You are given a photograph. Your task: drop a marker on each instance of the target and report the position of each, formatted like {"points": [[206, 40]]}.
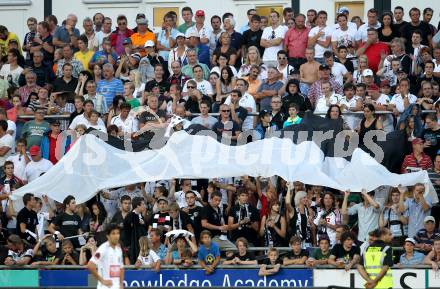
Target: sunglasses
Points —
{"points": [[225, 110], [191, 87]]}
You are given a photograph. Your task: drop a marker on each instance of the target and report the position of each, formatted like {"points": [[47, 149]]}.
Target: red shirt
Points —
{"points": [[373, 53], [296, 42], [52, 149], [411, 161]]}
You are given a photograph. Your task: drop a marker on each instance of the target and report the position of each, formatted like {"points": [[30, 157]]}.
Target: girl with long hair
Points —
{"points": [[225, 84], [147, 257], [273, 227]]}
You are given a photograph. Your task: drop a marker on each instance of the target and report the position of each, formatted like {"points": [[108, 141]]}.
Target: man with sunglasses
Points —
{"points": [[226, 129], [121, 33], [272, 39], [143, 34]]}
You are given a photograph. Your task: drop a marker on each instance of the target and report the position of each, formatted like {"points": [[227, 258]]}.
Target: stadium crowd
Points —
{"points": [[264, 76]]}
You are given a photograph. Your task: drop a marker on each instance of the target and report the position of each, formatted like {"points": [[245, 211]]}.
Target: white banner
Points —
{"points": [[402, 278]]}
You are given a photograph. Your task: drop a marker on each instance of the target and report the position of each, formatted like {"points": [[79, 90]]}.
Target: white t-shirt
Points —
{"points": [[12, 127], [270, 54], [181, 201], [204, 32], [246, 101], [129, 126], [350, 25], [345, 38], [35, 169], [217, 69], [397, 100], [6, 141], [338, 71], [150, 259], [42, 217], [330, 219], [352, 120], [99, 38], [19, 165], [204, 86], [362, 33], [321, 104], [319, 49], [6, 71], [81, 119], [109, 262]]}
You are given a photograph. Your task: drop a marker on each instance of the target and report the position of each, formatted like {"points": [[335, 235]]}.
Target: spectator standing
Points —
{"points": [[103, 33], [110, 86], [413, 25], [320, 37], [187, 15], [272, 39], [34, 130], [118, 36], [372, 23], [89, 34], [66, 34], [11, 71], [296, 40], [252, 36]]}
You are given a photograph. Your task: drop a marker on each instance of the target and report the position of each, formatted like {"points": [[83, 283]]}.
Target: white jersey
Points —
{"points": [[109, 262]]}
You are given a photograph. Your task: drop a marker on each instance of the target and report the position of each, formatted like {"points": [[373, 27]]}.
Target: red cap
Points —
{"points": [[417, 141], [200, 13], [34, 150]]}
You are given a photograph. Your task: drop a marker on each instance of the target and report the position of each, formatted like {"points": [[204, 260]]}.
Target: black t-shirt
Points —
{"points": [[28, 217], [301, 100], [163, 85], [213, 217], [249, 256], [434, 138], [60, 85], [230, 126], [348, 65], [394, 33], [194, 215], [192, 104], [241, 113], [267, 262], [278, 119], [292, 256], [408, 29], [229, 52], [340, 253], [253, 38], [48, 256], [400, 25], [146, 116], [68, 225], [75, 257], [181, 222], [239, 213]]}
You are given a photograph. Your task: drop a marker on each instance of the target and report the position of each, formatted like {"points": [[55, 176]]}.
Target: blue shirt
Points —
{"points": [[164, 41], [265, 103], [416, 259], [416, 215], [109, 89], [103, 55], [62, 34], [208, 255], [203, 54]]}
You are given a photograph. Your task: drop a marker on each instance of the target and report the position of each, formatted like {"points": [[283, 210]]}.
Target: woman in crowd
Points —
{"points": [[84, 214], [388, 31], [273, 227], [88, 250], [97, 73], [15, 111], [223, 62], [433, 257], [114, 109], [147, 257], [214, 78], [299, 217], [98, 218], [225, 84], [369, 122], [328, 218], [225, 47], [253, 57], [363, 64]]}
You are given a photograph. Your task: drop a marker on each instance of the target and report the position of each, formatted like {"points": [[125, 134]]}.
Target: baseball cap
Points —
{"points": [[136, 56], [367, 72], [126, 41], [140, 15], [149, 43], [343, 10], [263, 113], [411, 240], [428, 219], [180, 34], [417, 141], [193, 34], [34, 150], [142, 21], [324, 67], [200, 13]]}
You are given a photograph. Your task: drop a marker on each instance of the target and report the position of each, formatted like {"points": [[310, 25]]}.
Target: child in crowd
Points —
{"points": [[342, 58], [293, 116], [242, 257], [46, 252], [147, 257], [209, 253], [272, 260], [70, 256], [320, 255], [297, 256]]}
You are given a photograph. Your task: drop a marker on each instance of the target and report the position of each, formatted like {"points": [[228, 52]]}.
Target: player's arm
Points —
{"points": [[91, 266]]}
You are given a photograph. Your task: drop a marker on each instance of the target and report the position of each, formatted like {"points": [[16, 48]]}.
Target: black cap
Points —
{"points": [[324, 67], [264, 112], [140, 15]]}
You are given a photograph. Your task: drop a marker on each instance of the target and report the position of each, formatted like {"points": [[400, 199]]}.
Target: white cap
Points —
{"points": [[149, 43], [192, 34], [343, 10], [180, 34], [411, 240], [428, 219], [367, 72]]}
